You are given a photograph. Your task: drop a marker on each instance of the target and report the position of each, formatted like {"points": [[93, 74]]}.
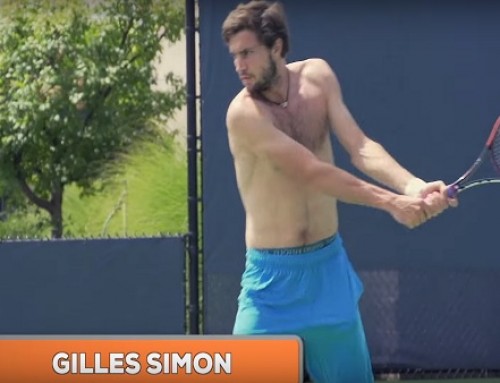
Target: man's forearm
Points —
{"points": [[374, 161], [347, 188]]}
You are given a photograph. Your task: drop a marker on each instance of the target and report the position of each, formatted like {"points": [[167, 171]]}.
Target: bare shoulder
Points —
{"points": [[242, 107], [316, 70], [245, 118], [240, 113], [245, 109]]}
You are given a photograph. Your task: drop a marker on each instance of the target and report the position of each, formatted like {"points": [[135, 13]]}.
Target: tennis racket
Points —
{"points": [[491, 150]]}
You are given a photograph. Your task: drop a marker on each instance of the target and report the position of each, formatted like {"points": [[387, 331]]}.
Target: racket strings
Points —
{"points": [[495, 152]]}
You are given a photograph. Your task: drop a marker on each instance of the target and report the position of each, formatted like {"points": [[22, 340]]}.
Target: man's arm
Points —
{"points": [[250, 130], [368, 155]]}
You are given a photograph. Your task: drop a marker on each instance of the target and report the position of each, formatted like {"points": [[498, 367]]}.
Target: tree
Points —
{"points": [[77, 90]]}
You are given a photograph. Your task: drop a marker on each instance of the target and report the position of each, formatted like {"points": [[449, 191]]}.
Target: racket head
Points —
{"points": [[493, 144], [492, 148]]}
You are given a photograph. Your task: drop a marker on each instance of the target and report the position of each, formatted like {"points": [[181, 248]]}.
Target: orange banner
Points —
{"points": [[139, 359]]}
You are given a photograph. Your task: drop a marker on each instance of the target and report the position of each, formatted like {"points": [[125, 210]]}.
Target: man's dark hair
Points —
{"points": [[266, 19]]}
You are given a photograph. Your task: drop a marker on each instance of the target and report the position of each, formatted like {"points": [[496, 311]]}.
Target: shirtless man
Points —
{"points": [[298, 278]]}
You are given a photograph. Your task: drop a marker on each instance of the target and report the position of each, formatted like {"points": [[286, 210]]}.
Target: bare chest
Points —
{"points": [[304, 120]]}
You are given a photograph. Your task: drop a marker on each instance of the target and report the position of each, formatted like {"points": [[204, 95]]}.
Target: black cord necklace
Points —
{"points": [[283, 104]]}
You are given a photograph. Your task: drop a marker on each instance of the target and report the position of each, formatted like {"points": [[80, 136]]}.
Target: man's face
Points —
{"points": [[253, 62]]}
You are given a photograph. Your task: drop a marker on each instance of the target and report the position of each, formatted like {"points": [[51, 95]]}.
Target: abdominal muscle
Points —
{"points": [[283, 213]]}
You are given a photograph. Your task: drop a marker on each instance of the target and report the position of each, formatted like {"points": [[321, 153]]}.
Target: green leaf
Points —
{"points": [[75, 89]]}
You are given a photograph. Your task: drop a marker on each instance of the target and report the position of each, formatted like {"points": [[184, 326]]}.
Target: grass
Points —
{"points": [[146, 197]]}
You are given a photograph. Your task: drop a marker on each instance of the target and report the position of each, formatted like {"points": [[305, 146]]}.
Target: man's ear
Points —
{"points": [[278, 46]]}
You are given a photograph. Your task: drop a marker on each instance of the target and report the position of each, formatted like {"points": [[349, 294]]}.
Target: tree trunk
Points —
{"points": [[53, 207], [56, 217]]}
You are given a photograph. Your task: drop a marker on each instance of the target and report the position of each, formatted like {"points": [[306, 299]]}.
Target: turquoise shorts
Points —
{"points": [[313, 292]]}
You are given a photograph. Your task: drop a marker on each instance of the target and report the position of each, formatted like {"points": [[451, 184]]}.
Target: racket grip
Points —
{"points": [[452, 191]]}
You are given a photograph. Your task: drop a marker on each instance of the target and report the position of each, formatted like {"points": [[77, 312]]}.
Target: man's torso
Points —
{"points": [[280, 211]]}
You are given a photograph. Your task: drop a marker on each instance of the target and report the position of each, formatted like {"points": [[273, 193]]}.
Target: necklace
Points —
{"points": [[283, 104]]}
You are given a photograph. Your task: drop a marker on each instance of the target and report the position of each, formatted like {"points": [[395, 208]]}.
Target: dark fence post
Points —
{"points": [[192, 151]]}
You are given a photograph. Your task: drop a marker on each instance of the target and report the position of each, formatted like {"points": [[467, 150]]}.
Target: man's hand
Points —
{"points": [[436, 199], [408, 211]]}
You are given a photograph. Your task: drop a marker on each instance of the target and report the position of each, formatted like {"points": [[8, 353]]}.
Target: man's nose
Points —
{"points": [[239, 64]]}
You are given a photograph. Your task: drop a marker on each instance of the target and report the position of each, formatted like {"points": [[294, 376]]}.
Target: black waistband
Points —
{"points": [[299, 249]]}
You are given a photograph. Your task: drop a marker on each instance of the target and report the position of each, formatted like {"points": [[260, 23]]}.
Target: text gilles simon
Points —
{"points": [[131, 363]]}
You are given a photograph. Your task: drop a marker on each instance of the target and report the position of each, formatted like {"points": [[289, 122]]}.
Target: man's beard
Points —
{"points": [[268, 79]]}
